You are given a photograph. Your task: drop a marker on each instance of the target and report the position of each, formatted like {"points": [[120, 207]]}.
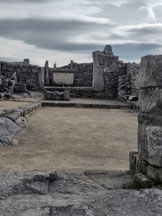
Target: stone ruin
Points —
{"points": [[19, 77], [7, 85], [109, 78], [113, 78]]}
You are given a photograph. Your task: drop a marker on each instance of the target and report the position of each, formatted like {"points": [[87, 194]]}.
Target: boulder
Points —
{"points": [[7, 129]]}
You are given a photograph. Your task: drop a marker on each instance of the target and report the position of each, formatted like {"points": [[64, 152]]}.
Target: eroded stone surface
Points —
{"points": [[150, 121], [7, 129], [151, 71], [71, 194]]}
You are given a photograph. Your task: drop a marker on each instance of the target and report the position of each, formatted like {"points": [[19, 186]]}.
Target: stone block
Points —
{"points": [[142, 141], [154, 145], [66, 95], [154, 173], [1, 95], [150, 101], [151, 71], [142, 181], [133, 161], [150, 143], [14, 116], [108, 50]]}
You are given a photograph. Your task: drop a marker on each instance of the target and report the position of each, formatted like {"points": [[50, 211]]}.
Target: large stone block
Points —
{"points": [[150, 143], [108, 50], [154, 145], [142, 141], [151, 71], [154, 173], [150, 101]]}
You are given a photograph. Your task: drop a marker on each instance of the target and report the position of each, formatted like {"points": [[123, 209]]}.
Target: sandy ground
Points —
{"points": [[73, 138], [11, 105]]}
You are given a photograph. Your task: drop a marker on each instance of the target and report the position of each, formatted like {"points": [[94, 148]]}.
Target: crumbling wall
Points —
{"points": [[133, 71], [128, 81], [150, 117], [26, 74], [114, 78], [105, 72]]}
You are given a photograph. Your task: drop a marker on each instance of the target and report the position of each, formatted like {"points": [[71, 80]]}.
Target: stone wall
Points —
{"points": [[26, 74], [107, 75], [150, 117], [113, 78], [128, 81], [83, 73]]}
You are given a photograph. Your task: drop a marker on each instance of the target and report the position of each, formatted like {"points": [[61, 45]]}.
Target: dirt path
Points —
{"points": [[73, 138]]}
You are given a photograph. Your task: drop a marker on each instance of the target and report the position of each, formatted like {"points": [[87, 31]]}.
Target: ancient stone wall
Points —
{"points": [[107, 76], [114, 78], [150, 117], [105, 72], [26, 74], [83, 73], [128, 80]]}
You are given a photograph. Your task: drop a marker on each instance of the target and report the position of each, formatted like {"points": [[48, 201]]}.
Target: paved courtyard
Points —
{"points": [[73, 138]]}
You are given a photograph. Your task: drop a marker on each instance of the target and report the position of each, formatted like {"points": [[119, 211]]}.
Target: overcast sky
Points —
{"points": [[61, 30]]}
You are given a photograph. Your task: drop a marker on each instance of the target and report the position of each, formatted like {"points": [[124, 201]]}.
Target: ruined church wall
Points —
{"points": [[26, 74]]}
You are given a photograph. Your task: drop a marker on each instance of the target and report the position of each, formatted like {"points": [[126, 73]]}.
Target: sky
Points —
{"points": [[64, 30]]}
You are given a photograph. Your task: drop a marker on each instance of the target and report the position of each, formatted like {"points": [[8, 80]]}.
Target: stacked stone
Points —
{"points": [[133, 72], [26, 74], [7, 85], [124, 87], [83, 73], [128, 81], [105, 72], [57, 95], [150, 117]]}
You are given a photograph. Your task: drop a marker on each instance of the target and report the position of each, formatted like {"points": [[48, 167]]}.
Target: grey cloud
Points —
{"points": [[52, 34], [146, 30], [22, 1], [145, 33], [133, 51]]}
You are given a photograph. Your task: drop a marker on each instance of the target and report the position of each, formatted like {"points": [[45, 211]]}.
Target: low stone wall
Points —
{"points": [[8, 122], [26, 74]]}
